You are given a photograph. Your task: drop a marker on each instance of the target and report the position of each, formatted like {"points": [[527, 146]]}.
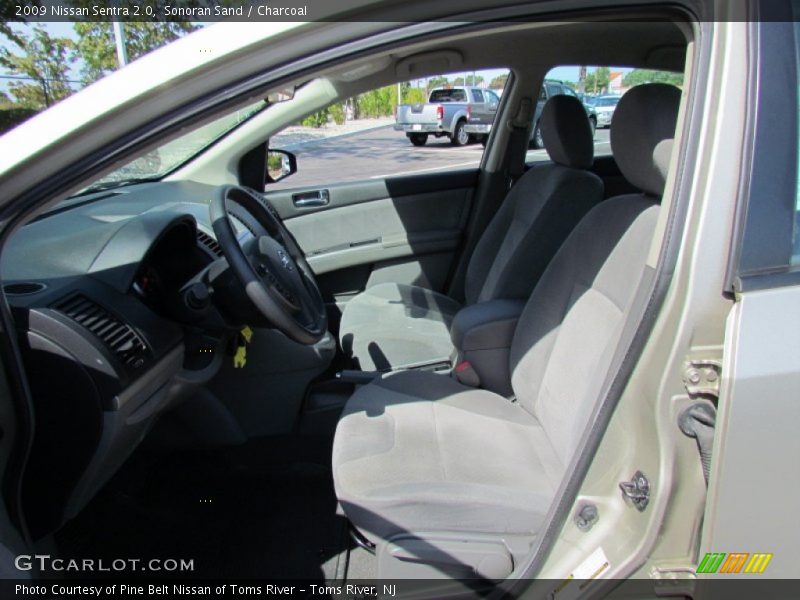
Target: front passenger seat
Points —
{"points": [[418, 454], [391, 326]]}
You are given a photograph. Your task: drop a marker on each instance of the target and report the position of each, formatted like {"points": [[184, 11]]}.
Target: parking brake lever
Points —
{"points": [[357, 377]]}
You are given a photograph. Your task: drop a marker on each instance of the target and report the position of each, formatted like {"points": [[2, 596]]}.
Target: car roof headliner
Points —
{"points": [[540, 46]]}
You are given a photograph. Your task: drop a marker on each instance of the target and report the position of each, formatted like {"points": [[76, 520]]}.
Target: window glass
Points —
{"points": [[769, 247], [491, 97], [796, 224], [606, 101], [454, 95], [372, 136], [599, 89]]}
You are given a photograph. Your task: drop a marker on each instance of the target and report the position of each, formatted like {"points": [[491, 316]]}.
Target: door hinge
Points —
{"points": [[637, 490], [701, 377]]}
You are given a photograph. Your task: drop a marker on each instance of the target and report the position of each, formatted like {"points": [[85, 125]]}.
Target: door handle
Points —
{"points": [[311, 199]]}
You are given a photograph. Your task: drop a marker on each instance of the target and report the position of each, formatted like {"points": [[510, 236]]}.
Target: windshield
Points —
{"points": [[448, 96], [157, 163], [606, 101]]}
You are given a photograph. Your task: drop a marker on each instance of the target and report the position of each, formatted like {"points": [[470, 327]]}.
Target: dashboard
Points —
{"points": [[95, 290]]}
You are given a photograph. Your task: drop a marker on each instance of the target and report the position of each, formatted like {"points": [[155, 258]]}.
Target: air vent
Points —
{"points": [[23, 288], [209, 243], [117, 335]]}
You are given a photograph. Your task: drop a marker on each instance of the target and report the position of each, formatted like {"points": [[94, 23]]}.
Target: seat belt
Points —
{"points": [[518, 142]]}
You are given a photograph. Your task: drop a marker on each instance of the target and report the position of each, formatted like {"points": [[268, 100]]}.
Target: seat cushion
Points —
{"points": [[393, 325], [417, 451]]}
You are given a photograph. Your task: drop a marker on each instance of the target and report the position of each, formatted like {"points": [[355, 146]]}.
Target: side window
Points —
{"points": [[769, 250], [796, 224], [599, 89], [542, 94], [410, 128], [491, 97]]}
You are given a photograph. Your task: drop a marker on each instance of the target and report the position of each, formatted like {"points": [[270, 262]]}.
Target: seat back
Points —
{"points": [[540, 210], [570, 327]]}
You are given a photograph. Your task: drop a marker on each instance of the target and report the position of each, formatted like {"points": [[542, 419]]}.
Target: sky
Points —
{"points": [[568, 73]]}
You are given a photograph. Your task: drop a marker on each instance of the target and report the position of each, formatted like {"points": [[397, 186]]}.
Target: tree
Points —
{"points": [[597, 80], [377, 103], [470, 80], [499, 82], [640, 76], [42, 60], [7, 14], [96, 44], [438, 81]]}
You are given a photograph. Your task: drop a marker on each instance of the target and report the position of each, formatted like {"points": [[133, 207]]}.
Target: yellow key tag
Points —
{"points": [[247, 334], [240, 358]]}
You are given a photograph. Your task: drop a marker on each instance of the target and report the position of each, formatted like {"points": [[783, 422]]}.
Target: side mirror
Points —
{"points": [[280, 164]]}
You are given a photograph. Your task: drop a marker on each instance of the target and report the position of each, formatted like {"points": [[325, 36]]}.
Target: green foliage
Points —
{"points": [[640, 76], [274, 162], [414, 96], [11, 116], [498, 82], [45, 61], [377, 103], [96, 45], [471, 80], [317, 120], [597, 80], [438, 81], [337, 113], [8, 15]]}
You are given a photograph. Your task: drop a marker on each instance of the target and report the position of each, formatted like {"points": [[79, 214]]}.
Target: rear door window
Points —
{"points": [[477, 96]]}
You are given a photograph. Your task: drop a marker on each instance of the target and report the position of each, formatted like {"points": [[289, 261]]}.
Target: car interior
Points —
{"points": [[391, 380]]}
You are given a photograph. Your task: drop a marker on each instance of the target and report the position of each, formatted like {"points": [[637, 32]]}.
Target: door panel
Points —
{"points": [[402, 229]]}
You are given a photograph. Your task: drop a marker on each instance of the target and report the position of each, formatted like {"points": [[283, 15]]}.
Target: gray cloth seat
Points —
{"points": [[393, 324], [389, 326], [416, 441], [419, 452]]}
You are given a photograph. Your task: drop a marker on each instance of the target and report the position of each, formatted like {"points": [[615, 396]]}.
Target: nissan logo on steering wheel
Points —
{"points": [[285, 261]]}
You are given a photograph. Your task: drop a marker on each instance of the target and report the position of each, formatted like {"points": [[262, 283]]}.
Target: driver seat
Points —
{"points": [[419, 453]]}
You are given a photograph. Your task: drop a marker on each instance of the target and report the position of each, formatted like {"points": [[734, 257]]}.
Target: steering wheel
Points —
{"points": [[271, 267]]}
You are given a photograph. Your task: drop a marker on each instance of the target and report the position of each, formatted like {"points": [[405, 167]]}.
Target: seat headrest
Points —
{"points": [[642, 133], [566, 132]]}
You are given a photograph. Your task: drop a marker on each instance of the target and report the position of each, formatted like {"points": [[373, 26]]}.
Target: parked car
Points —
{"points": [[553, 87], [447, 113], [604, 107]]}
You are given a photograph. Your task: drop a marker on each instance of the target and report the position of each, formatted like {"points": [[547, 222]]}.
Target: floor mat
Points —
{"points": [[265, 510]]}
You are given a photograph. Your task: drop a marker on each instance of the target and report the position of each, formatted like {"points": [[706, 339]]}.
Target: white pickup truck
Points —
{"points": [[447, 113]]}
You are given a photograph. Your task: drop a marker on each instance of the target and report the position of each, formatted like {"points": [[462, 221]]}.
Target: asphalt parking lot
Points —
{"points": [[383, 152]]}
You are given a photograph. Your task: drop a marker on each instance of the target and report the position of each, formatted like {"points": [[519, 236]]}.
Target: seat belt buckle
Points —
{"points": [[466, 374]]}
